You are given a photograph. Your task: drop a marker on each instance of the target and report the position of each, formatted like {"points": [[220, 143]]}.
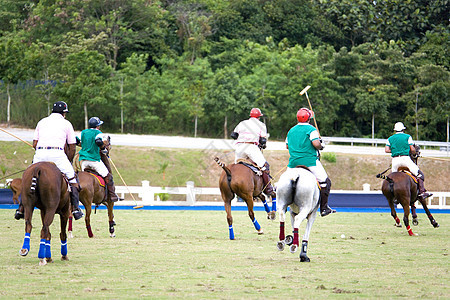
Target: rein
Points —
{"points": [[12, 174]]}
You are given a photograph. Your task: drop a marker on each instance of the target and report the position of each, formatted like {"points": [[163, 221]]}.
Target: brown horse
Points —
{"points": [[44, 187], [93, 193], [400, 187], [16, 186], [238, 179]]}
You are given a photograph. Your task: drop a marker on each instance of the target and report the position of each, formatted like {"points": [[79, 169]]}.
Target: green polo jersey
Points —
{"points": [[89, 149], [301, 150], [399, 144]]}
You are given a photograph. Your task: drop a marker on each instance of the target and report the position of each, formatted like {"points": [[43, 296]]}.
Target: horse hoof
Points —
{"points": [[271, 215], [23, 251], [436, 225], [304, 259], [289, 240], [70, 235], [415, 222], [293, 248], [260, 231], [398, 225], [112, 235], [280, 245], [49, 260], [42, 261], [64, 258]]}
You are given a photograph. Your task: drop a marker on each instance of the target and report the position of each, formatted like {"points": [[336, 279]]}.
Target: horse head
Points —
{"points": [[416, 155]]}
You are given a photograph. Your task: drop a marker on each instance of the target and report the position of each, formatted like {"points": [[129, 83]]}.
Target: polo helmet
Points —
{"points": [[399, 126], [304, 115], [94, 122], [255, 113], [60, 107]]}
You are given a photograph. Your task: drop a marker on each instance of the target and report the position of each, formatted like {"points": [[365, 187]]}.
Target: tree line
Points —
{"points": [[197, 67]]}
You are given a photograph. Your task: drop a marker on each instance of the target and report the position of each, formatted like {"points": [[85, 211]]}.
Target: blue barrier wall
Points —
{"points": [[6, 196]]}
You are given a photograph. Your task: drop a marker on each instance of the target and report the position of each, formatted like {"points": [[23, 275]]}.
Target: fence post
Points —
{"points": [[190, 193], [148, 197]]}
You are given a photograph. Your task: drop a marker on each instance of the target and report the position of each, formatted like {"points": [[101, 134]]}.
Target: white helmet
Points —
{"points": [[399, 126]]}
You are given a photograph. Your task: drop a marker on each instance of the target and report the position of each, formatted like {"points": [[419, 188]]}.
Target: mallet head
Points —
{"points": [[305, 90]]}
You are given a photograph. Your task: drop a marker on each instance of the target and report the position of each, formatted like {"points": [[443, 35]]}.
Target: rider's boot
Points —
{"points": [[19, 212], [325, 210], [422, 191], [75, 201], [111, 188], [268, 188]]}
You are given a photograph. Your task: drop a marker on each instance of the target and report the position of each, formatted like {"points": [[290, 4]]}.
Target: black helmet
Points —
{"points": [[60, 107], [94, 122]]}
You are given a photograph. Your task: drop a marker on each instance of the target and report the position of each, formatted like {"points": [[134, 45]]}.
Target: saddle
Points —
{"points": [[306, 168], [99, 178], [251, 165], [407, 172]]}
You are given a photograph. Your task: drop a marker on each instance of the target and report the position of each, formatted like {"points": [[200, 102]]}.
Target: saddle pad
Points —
{"points": [[100, 179], [410, 175], [256, 170]]}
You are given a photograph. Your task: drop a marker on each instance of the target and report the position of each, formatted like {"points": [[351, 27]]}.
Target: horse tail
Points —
{"points": [[389, 180], [221, 164], [34, 180]]}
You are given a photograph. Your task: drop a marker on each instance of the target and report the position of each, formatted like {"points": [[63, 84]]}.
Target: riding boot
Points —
{"points": [[19, 212], [111, 188], [422, 191], [268, 188], [75, 200], [325, 210]]}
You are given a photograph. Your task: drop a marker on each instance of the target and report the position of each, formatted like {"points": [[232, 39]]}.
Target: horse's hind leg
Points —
{"points": [[427, 211], [281, 237], [64, 217], [110, 206], [87, 218], [393, 212], [311, 218], [28, 227], [227, 204], [45, 254]]}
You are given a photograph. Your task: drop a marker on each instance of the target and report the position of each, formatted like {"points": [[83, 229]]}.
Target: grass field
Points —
{"points": [[187, 254]]}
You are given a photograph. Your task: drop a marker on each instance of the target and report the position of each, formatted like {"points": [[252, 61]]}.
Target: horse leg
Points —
{"points": [[87, 219], [394, 213], [311, 218], [62, 235], [427, 211], [414, 215], [296, 221], [281, 242], [44, 254], [406, 217], [70, 235], [28, 227], [110, 206], [227, 205], [251, 214]]}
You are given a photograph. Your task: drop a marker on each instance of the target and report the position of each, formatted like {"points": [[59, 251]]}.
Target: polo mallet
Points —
{"points": [[16, 137], [305, 91], [115, 168]]}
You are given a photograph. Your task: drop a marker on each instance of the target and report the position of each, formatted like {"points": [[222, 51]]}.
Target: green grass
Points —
{"points": [[187, 255]]}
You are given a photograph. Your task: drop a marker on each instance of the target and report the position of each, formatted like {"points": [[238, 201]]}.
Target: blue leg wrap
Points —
{"points": [[48, 252], [26, 242], [266, 206], [63, 248], [41, 253], [230, 229], [274, 203], [257, 226]]}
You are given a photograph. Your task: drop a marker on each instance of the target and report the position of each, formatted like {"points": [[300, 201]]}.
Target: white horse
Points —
{"points": [[298, 189]]}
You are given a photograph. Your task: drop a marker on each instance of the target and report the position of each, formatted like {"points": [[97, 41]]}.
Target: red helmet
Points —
{"points": [[304, 114], [255, 113]]}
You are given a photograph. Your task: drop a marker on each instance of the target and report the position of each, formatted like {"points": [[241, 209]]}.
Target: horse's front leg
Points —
{"points": [[427, 211], [251, 213], [110, 206], [28, 227], [414, 215]]}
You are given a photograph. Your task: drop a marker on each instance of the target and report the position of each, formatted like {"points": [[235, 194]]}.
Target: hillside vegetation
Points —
{"points": [[173, 167]]}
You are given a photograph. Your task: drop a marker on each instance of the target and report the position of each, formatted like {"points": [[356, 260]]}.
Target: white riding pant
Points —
{"points": [[252, 151], [97, 166], [59, 158], [319, 172], [404, 161]]}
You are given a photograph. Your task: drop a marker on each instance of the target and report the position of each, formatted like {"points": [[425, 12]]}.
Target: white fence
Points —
{"points": [[150, 196]]}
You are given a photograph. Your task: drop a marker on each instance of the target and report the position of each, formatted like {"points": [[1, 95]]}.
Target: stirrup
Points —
{"points": [[19, 215], [77, 213], [326, 211], [424, 195]]}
